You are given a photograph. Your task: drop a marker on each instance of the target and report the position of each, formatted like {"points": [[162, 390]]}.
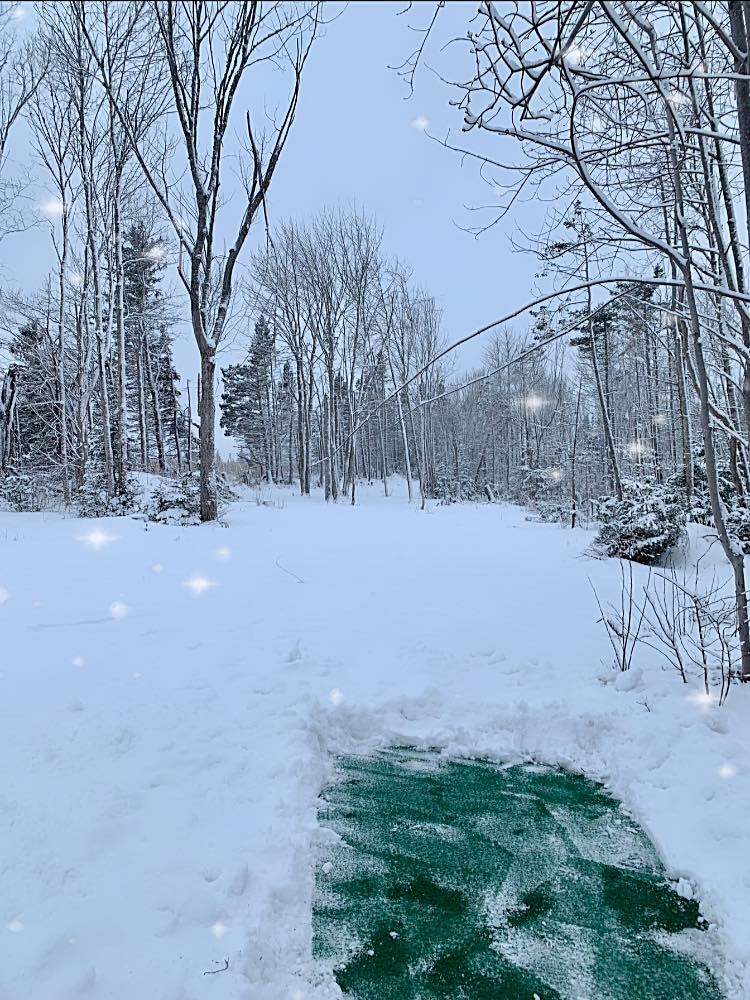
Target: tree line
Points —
{"points": [[625, 375]]}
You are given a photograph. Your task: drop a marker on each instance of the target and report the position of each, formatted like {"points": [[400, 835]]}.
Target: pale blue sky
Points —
{"points": [[354, 142]]}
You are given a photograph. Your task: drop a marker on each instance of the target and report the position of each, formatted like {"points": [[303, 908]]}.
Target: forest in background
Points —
{"points": [[619, 389]]}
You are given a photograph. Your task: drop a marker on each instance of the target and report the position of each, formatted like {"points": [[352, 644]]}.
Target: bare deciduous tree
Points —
{"points": [[207, 52]]}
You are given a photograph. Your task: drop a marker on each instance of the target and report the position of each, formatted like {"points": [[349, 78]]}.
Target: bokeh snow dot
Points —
{"points": [[96, 539], [198, 584], [78, 661], [336, 696], [118, 609], [15, 926], [4, 595]]}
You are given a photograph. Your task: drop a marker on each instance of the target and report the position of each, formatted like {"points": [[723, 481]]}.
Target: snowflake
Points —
{"points": [[702, 699], [336, 696], [573, 55], [96, 539], [219, 929], [4, 595], [156, 253], [678, 99], [118, 609], [198, 584], [637, 449], [421, 123], [52, 207], [534, 402]]}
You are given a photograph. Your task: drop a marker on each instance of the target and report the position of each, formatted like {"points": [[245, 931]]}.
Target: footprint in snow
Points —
{"points": [[239, 882], [294, 654]]}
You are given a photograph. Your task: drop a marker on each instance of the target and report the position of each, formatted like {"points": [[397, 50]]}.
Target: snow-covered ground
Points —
{"points": [[171, 698]]}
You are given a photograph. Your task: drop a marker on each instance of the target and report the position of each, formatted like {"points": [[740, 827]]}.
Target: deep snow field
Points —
{"points": [[171, 701]]}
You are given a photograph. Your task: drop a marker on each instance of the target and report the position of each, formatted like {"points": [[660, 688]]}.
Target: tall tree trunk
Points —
{"points": [[175, 427], [62, 388], [573, 489], [142, 429], [608, 437], [119, 312], [207, 437], [8, 395], [325, 448], [156, 409], [189, 444], [730, 545]]}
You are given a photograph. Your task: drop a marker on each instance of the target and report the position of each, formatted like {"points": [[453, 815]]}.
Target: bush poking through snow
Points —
{"points": [[177, 501], [699, 508], [623, 622], [93, 500], [23, 492], [644, 525], [455, 489], [692, 628]]}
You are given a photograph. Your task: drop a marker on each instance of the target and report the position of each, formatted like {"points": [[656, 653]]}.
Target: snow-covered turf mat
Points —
{"points": [[173, 702], [462, 880]]}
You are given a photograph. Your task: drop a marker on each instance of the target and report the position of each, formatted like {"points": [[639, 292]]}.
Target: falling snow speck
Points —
{"points": [[198, 584], [118, 609], [96, 539]]}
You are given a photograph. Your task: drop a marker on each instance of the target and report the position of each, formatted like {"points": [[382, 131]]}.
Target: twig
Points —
{"points": [[213, 972], [289, 572]]}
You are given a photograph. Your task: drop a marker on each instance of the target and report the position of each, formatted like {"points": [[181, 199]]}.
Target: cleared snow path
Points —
{"points": [[170, 698]]}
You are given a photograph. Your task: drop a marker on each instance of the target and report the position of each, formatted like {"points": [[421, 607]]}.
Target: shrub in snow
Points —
{"points": [[541, 490], [532, 486], [738, 524], [24, 492], [178, 501], [553, 511], [93, 501], [644, 525], [452, 489], [699, 509]]}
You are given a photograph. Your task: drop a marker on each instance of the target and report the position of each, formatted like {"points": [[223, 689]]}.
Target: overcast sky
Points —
{"points": [[360, 138]]}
